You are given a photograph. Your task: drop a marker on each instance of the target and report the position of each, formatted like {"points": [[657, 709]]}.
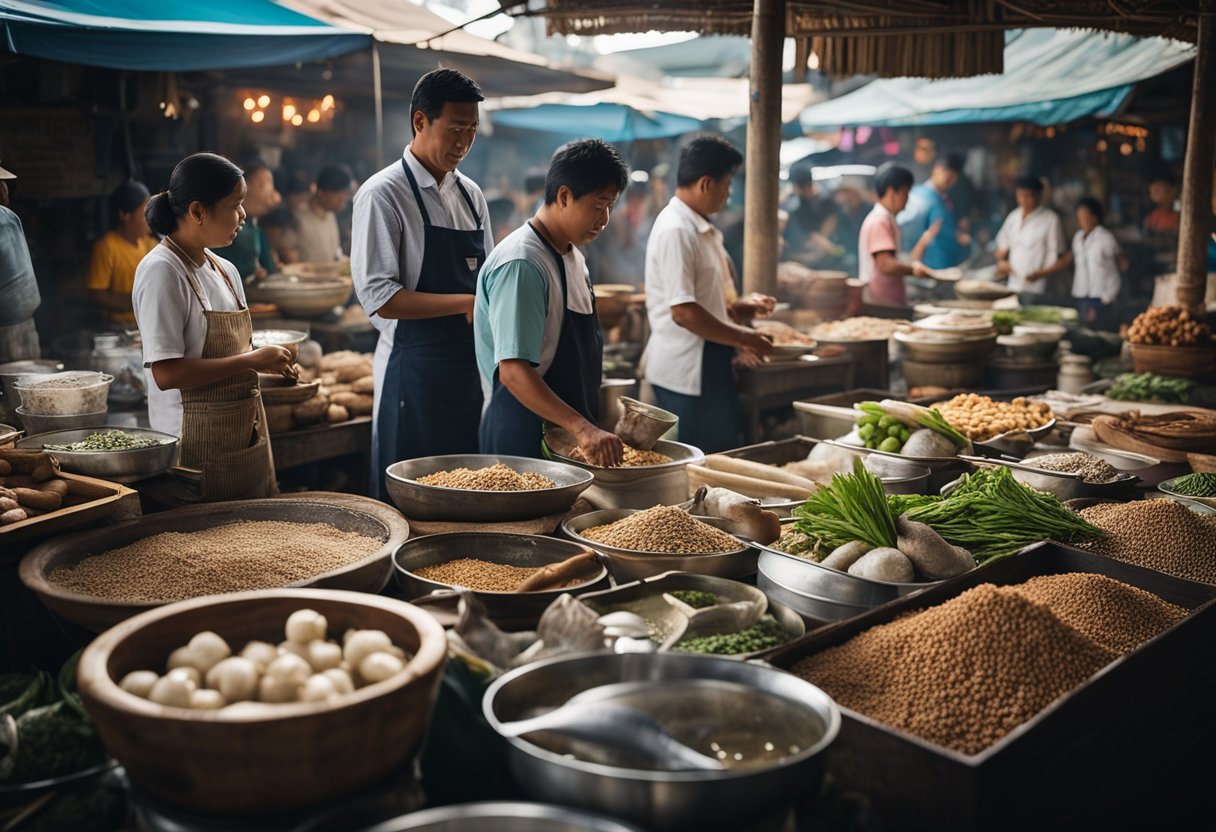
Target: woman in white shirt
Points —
{"points": [[1097, 263], [196, 332]]}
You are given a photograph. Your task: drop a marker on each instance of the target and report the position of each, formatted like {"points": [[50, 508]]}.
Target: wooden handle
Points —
{"points": [[557, 574]]}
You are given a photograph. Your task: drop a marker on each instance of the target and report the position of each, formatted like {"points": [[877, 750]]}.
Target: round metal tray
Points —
{"points": [[126, 465], [559, 443], [1167, 487], [804, 576], [502, 817], [432, 502], [628, 565]]}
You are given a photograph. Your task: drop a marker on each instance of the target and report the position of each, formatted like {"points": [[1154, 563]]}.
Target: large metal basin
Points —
{"points": [[432, 502], [806, 577], [639, 486], [501, 817], [628, 565], [512, 610], [666, 800], [117, 466]]}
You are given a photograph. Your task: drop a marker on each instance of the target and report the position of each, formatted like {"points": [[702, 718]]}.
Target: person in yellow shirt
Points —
{"points": [[116, 255]]}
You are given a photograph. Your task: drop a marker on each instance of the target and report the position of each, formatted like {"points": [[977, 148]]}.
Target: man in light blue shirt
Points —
{"points": [[929, 203], [19, 297]]}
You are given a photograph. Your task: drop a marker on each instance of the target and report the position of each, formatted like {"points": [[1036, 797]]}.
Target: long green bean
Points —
{"points": [[852, 507]]}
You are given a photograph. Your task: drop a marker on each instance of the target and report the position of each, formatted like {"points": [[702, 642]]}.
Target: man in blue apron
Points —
{"points": [[696, 317], [421, 233], [539, 346]]}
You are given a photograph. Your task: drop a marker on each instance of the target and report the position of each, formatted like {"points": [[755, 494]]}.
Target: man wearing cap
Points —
{"points": [[19, 297]]}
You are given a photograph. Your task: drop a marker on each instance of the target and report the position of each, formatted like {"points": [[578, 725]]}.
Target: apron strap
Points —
{"points": [[409, 174], [469, 201], [227, 282]]}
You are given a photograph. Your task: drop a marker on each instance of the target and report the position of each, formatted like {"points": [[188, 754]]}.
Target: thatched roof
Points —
{"points": [[931, 38]]}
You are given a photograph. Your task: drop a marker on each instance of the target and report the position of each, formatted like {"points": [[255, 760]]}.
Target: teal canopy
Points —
{"points": [[608, 121]]}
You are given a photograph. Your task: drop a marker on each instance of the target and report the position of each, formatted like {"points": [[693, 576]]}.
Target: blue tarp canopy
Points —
{"points": [[182, 35], [1052, 76], [608, 121]]}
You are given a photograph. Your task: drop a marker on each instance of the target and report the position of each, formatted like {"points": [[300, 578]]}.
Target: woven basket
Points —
{"points": [[1179, 362]]}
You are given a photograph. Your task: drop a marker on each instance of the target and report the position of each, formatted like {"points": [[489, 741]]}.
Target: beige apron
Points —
{"points": [[224, 423]]}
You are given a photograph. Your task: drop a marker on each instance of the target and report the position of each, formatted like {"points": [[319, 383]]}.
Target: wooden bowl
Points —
{"points": [[279, 390], [1179, 362], [344, 511], [303, 754]]}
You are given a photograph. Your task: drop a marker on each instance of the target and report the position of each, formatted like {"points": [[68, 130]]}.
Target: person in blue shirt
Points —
{"points": [[929, 203]]}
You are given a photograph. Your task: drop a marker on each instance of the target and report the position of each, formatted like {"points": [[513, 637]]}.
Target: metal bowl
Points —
{"points": [[1064, 485], [667, 800], [946, 349], [432, 502], [34, 423], [1167, 487], [280, 337], [629, 565], [126, 465], [681, 455], [635, 486], [512, 610], [301, 297], [804, 577], [501, 817]]}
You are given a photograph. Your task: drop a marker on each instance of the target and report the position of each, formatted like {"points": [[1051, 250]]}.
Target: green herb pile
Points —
{"points": [[852, 507], [762, 635], [695, 598], [54, 736], [1196, 485], [109, 440], [1148, 387]]}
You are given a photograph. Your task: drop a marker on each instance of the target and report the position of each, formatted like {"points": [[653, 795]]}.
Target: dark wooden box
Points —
{"points": [[1093, 753]]}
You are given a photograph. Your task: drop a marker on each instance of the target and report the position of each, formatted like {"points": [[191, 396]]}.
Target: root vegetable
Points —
{"points": [[884, 564], [207, 700], [173, 691], [41, 500], [747, 468], [376, 667], [207, 650], [362, 643], [748, 486], [56, 486], [13, 515], [336, 413], [359, 404], [744, 515], [44, 471], [363, 385], [925, 442], [324, 655], [139, 683], [844, 556], [306, 626], [235, 678], [5, 468], [932, 556]]}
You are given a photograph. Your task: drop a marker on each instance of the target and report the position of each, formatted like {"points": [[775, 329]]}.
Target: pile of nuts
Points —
{"points": [[1091, 468], [664, 529], [1156, 534], [480, 575], [633, 457], [967, 672], [252, 554], [497, 477], [1168, 326], [981, 418]]}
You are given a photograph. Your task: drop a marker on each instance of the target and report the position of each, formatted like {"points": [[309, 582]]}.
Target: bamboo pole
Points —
{"points": [[1195, 224], [763, 164], [378, 97]]}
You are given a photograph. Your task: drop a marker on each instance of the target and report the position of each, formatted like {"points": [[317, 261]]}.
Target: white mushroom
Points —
{"points": [[323, 655], [363, 643], [206, 700], [173, 690], [305, 626], [235, 678], [208, 650], [139, 682], [341, 679], [189, 674], [318, 688], [261, 653], [376, 667]]}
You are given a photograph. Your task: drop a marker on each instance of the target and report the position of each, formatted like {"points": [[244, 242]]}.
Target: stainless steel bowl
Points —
{"points": [[628, 565], [801, 575], [666, 800], [1167, 488], [637, 486], [431, 502], [1064, 485], [117, 466], [512, 610], [501, 817], [46, 424]]}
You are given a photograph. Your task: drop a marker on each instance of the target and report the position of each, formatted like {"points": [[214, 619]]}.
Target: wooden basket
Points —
{"points": [[1179, 362]]}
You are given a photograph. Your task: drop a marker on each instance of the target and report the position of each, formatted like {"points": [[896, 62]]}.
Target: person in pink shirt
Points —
{"points": [[879, 265]]}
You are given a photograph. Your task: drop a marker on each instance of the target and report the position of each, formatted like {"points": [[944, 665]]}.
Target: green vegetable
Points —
{"points": [[911, 416], [866, 431], [34, 693], [762, 635], [992, 515], [852, 507], [695, 598], [1196, 485], [891, 444], [1147, 387]]}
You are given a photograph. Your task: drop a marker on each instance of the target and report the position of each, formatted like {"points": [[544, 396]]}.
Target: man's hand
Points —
{"points": [[919, 269], [754, 342], [600, 447], [752, 305], [747, 358], [1003, 267], [1035, 277]]}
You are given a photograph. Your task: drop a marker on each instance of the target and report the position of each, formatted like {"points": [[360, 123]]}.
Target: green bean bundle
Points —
{"points": [[993, 515], [852, 507], [1196, 485]]}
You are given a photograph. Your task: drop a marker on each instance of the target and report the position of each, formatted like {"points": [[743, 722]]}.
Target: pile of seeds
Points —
{"points": [[1156, 534], [967, 672], [497, 477], [108, 440], [1091, 468], [633, 457], [663, 529], [259, 554], [762, 635], [480, 575]]}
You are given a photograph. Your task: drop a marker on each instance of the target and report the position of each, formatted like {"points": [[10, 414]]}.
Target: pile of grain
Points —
{"points": [[1091, 468], [633, 457], [497, 477], [1156, 534], [966, 673], [260, 554], [663, 529], [480, 575]]}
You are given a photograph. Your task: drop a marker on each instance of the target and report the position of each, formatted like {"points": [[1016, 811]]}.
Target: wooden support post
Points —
{"points": [[1195, 224], [763, 165], [802, 57]]}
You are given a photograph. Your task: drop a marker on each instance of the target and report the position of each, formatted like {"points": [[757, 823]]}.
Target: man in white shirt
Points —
{"points": [[421, 233], [317, 220], [1097, 262], [1030, 241], [692, 304]]}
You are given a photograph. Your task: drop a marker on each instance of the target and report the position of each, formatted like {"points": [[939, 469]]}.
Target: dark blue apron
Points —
{"points": [[431, 400], [509, 428], [709, 421]]}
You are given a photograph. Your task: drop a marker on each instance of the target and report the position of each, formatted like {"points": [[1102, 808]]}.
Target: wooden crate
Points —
{"points": [[1093, 753], [88, 500]]}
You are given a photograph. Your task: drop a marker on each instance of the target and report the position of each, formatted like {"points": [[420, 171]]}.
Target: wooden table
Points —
{"points": [[349, 442], [780, 384]]}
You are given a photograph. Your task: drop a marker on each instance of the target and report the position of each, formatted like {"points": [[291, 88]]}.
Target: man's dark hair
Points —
{"points": [[711, 156], [334, 178], [1093, 206], [585, 167], [802, 176], [1029, 183], [892, 177], [437, 88], [534, 181], [952, 162]]}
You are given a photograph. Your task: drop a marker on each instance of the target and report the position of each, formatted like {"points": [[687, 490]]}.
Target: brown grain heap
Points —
{"points": [[1170, 326], [966, 673], [1156, 534], [480, 575], [497, 477], [259, 554], [633, 457], [663, 529]]}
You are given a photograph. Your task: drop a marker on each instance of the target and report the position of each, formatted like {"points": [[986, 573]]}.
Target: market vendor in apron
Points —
{"points": [[421, 233], [189, 304], [697, 321], [539, 346]]}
